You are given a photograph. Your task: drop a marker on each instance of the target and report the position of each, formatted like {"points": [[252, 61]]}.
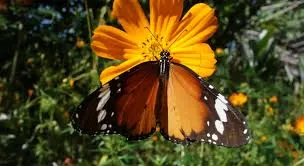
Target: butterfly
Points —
{"points": [[166, 94]]}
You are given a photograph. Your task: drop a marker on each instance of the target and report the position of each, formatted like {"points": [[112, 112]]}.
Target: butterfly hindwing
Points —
{"points": [[126, 105], [198, 112]]}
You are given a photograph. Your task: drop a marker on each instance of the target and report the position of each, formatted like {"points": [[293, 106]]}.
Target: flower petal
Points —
{"points": [[164, 16], [113, 71], [112, 43], [197, 26], [199, 57], [132, 18]]}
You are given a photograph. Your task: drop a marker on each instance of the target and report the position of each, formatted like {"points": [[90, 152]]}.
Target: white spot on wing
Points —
{"points": [[103, 127], [211, 87], [208, 123], [219, 126], [103, 91], [105, 96], [220, 107], [205, 97], [102, 114], [245, 131], [221, 97], [77, 115], [214, 137], [208, 135]]}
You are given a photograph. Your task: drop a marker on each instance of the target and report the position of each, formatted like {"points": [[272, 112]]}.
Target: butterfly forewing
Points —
{"points": [[197, 112], [126, 105], [92, 116]]}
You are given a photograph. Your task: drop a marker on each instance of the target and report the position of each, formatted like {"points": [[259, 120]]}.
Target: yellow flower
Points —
{"points": [[71, 83], [219, 51], [287, 127], [29, 61], [273, 99], [238, 99], [154, 138], [30, 92], [295, 154], [299, 125], [80, 43], [270, 110], [140, 39], [262, 139]]}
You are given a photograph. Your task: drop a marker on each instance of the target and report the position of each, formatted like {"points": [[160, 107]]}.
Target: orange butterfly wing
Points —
{"points": [[196, 112]]}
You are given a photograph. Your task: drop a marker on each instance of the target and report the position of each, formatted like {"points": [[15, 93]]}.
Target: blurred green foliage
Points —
{"points": [[47, 68]]}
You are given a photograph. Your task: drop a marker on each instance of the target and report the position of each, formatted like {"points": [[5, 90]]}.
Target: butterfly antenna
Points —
{"points": [[155, 38], [185, 30]]}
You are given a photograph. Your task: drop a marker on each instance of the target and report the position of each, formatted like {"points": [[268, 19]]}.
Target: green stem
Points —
{"points": [[94, 59], [13, 70], [88, 19]]}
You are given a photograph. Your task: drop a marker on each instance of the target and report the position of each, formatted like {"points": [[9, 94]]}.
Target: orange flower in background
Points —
{"points": [[299, 125], [30, 92], [80, 43], [238, 99], [142, 40], [273, 99], [219, 51], [270, 110], [68, 161]]}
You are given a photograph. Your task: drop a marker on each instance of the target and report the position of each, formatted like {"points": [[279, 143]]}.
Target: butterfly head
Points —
{"points": [[165, 55]]}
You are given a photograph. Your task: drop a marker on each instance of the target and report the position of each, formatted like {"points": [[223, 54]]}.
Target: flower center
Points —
{"points": [[152, 47]]}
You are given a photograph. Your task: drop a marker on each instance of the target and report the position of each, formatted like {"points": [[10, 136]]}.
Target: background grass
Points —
{"points": [[47, 69]]}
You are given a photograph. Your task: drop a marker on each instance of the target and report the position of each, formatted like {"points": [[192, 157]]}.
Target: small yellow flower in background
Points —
{"points": [[154, 138], [262, 139], [71, 83], [142, 40], [238, 99], [29, 61], [30, 92], [270, 110], [219, 51], [66, 115], [157, 129], [295, 154], [299, 125], [273, 99], [287, 127], [80, 43]]}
